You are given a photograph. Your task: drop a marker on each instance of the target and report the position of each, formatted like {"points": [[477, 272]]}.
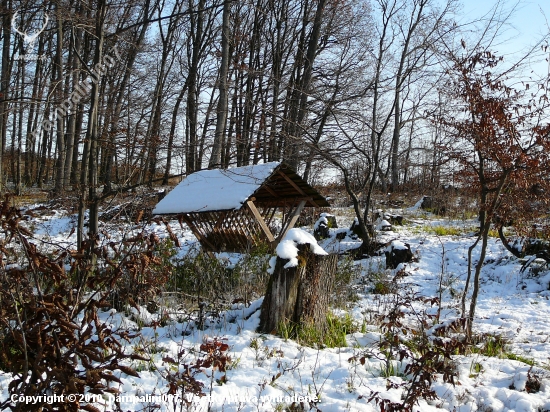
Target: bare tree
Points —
{"points": [[4, 80], [417, 36], [89, 175], [221, 111]]}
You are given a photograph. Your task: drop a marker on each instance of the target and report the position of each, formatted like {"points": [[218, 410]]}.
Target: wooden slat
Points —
{"points": [[223, 234], [269, 213], [260, 221], [295, 186], [197, 233], [271, 191], [196, 219], [255, 231], [259, 234], [290, 197], [247, 229], [240, 226], [292, 221], [220, 220], [206, 220], [252, 226], [220, 235], [213, 236]]}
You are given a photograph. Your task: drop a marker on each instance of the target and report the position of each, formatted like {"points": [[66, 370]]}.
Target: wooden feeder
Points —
{"points": [[232, 210]]}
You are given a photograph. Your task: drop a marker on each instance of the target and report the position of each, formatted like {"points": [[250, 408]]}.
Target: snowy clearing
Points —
{"points": [[270, 373]]}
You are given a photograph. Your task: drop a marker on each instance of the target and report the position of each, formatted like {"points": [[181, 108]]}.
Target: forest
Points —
{"points": [[97, 97]]}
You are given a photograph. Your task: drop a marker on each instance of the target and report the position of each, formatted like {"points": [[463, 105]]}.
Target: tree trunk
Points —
{"points": [[402, 74], [33, 130], [122, 93], [194, 56], [298, 102], [18, 160], [71, 140], [88, 178], [221, 112], [57, 75], [477, 275], [299, 294], [4, 82], [173, 125]]}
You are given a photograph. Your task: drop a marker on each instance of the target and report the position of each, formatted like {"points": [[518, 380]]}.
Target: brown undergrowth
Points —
{"points": [[51, 337]]}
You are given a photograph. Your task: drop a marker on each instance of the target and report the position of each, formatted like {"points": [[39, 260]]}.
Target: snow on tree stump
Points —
{"points": [[300, 285], [321, 229], [396, 253]]}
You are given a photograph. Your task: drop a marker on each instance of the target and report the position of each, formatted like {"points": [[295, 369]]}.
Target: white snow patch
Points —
{"points": [[397, 245], [382, 224], [417, 205], [322, 219], [272, 263], [288, 247]]}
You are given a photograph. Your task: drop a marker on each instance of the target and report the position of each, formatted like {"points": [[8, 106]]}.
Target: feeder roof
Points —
{"points": [[228, 189]]}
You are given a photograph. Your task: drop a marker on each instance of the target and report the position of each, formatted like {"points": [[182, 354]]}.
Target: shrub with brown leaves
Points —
{"points": [[51, 338]]}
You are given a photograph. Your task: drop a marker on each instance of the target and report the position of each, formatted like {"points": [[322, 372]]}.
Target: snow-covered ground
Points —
{"points": [[269, 373]]}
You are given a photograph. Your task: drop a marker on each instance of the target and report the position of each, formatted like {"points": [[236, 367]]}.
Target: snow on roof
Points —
{"points": [[215, 189]]}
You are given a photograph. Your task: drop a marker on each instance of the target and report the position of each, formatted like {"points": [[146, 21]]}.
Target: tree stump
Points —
{"points": [[299, 294], [396, 220], [397, 253], [434, 205], [322, 226]]}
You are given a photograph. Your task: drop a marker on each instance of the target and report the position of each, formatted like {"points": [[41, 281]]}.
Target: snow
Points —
{"points": [[268, 372], [216, 189], [288, 247], [382, 224], [272, 263], [397, 245], [322, 219], [417, 205]]}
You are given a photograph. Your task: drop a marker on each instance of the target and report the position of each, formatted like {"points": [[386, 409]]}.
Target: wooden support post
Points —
{"points": [[260, 220], [292, 221]]}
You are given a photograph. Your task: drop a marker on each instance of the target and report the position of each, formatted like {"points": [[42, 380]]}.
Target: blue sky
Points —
{"points": [[529, 23]]}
